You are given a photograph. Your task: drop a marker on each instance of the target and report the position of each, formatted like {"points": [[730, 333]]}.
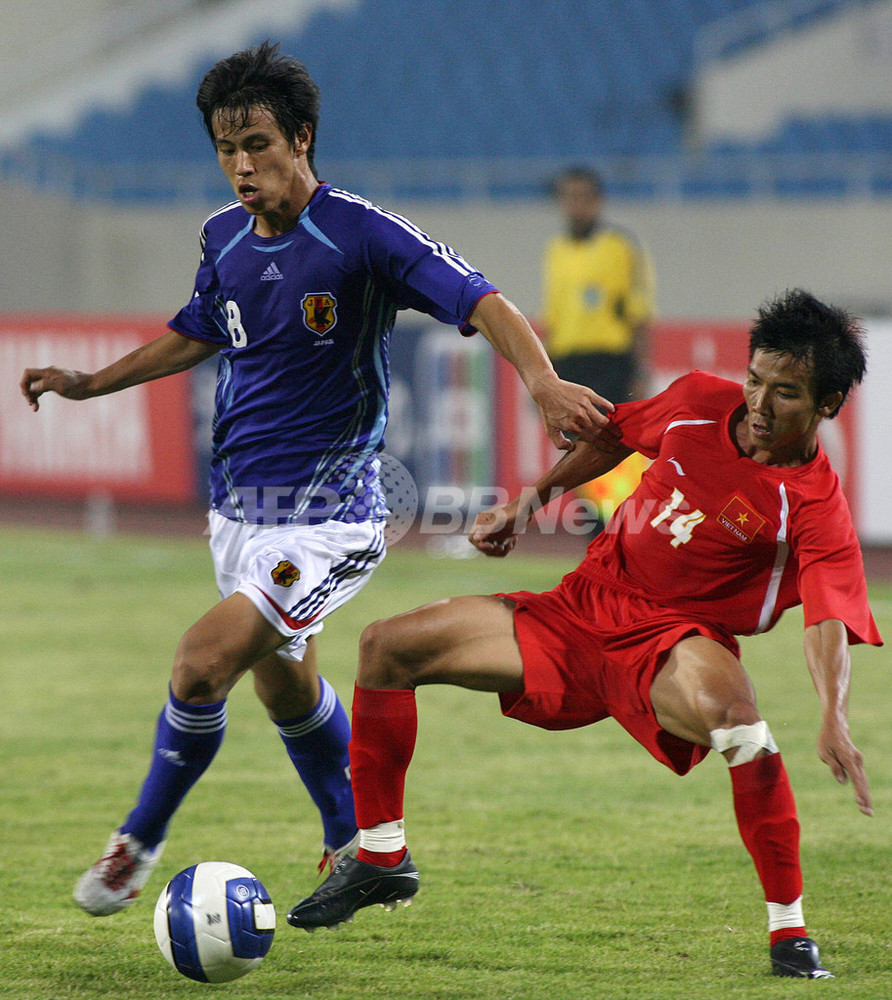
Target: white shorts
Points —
{"points": [[295, 575]]}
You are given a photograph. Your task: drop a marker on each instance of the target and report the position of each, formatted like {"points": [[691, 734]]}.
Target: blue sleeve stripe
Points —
{"points": [[239, 236], [441, 250], [315, 231]]}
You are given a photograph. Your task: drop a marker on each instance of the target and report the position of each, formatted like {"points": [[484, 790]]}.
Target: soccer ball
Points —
{"points": [[214, 922]]}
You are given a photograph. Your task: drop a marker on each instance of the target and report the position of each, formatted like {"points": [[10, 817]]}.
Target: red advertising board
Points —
{"points": [[134, 445]]}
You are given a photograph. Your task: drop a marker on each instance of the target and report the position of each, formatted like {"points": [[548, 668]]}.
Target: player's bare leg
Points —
{"points": [[704, 695], [286, 686], [466, 641], [221, 646], [316, 733]]}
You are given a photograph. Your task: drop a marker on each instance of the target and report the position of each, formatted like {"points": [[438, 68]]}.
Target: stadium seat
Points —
{"points": [[403, 82]]}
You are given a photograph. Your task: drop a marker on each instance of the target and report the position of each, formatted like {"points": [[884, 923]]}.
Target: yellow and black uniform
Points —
{"points": [[598, 293]]}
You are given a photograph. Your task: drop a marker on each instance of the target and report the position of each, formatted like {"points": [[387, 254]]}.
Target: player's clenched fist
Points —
{"points": [[36, 381], [494, 531]]}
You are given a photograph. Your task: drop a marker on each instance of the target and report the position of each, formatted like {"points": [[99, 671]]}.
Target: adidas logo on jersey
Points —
{"points": [[272, 273]]}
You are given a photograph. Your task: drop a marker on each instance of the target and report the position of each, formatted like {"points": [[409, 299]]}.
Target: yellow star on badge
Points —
{"points": [[742, 519]]}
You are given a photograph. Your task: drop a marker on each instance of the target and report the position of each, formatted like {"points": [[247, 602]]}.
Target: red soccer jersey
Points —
{"points": [[711, 533]]}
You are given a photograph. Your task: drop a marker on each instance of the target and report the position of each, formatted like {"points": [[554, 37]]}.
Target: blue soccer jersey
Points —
{"points": [[303, 321]]}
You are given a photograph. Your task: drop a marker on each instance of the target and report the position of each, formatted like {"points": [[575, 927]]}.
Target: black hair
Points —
{"points": [[829, 340], [261, 77], [578, 172]]}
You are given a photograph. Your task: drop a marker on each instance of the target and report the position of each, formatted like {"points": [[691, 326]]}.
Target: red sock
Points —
{"points": [[386, 859], [786, 932], [385, 723], [766, 818]]}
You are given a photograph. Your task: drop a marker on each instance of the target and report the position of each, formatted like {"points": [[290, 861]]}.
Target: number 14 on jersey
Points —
{"points": [[682, 526]]}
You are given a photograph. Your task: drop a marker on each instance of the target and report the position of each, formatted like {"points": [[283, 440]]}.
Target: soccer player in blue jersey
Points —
{"points": [[296, 291]]}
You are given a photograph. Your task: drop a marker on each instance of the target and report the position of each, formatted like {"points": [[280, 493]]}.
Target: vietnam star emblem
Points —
{"points": [[741, 520]]}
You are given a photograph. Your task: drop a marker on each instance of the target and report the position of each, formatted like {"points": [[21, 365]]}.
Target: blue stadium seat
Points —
{"points": [[511, 78]]}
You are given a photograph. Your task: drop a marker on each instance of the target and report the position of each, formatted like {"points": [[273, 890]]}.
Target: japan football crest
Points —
{"points": [[285, 573], [320, 315]]}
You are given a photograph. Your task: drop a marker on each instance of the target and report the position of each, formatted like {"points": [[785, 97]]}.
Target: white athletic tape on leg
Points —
{"points": [[782, 915], [748, 741], [384, 838]]}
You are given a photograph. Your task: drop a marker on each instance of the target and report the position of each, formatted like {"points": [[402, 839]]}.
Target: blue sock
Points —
{"points": [[317, 745], [186, 740]]}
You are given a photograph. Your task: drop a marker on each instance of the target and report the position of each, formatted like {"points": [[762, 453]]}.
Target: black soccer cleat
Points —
{"points": [[799, 957], [352, 885]]}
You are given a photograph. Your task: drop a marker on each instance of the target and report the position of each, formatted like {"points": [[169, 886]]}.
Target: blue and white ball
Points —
{"points": [[214, 922]]}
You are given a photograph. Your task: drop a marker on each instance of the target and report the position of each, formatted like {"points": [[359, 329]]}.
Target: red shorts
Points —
{"points": [[591, 650]]}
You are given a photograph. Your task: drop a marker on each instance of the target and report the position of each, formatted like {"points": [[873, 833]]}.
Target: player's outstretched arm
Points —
{"points": [[827, 655], [565, 408], [168, 354], [495, 531]]}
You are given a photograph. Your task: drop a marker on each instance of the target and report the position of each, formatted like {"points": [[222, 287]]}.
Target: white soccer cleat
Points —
{"points": [[116, 879]]}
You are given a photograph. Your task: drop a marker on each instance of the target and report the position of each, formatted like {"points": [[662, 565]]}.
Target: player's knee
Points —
{"points": [[742, 743], [724, 711], [202, 671], [381, 663]]}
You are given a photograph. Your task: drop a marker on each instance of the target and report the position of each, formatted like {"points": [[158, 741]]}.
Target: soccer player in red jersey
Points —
{"points": [[739, 517]]}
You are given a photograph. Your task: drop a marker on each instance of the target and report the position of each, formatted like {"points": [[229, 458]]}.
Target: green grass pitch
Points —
{"points": [[554, 866]]}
